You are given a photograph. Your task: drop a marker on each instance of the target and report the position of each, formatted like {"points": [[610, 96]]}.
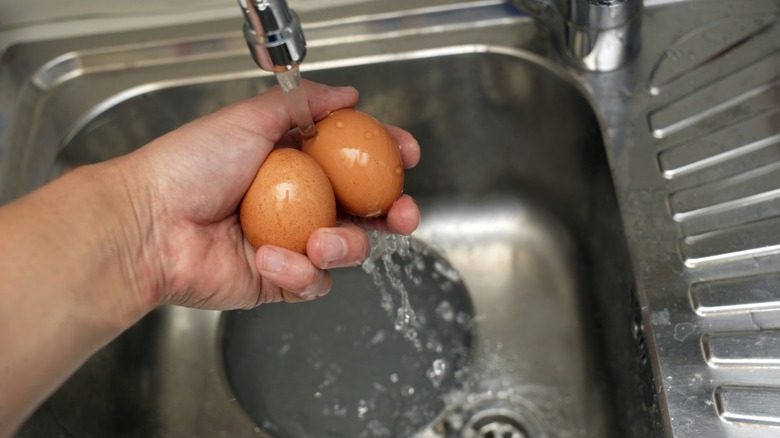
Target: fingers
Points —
{"points": [[410, 149], [294, 276], [403, 218], [338, 247]]}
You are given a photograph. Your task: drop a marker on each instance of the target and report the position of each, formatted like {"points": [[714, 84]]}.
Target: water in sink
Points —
{"points": [[344, 365]]}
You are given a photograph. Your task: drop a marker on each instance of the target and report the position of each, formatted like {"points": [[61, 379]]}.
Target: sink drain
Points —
{"points": [[492, 418], [498, 425]]}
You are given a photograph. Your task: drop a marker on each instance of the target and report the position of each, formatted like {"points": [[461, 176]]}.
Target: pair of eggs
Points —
{"points": [[352, 163]]}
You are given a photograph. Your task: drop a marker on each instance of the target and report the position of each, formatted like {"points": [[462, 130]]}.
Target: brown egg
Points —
{"points": [[361, 159], [289, 198]]}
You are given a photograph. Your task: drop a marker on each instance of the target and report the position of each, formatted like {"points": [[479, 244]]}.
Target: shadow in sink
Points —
{"points": [[516, 194]]}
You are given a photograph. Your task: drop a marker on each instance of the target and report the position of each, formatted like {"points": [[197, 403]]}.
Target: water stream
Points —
{"points": [[388, 275]]}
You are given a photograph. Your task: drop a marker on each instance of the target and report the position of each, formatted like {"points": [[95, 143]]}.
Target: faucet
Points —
{"points": [[595, 35], [276, 42], [273, 34]]}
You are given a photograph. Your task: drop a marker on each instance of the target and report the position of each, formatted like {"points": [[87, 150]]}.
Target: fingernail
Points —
{"points": [[273, 261], [306, 295], [334, 248], [344, 89]]}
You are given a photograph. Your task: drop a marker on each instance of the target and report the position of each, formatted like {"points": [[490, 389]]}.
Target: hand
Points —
{"points": [[185, 188], [89, 254]]}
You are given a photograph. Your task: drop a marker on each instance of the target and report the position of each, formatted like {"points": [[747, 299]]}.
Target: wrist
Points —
{"points": [[74, 278], [120, 216]]}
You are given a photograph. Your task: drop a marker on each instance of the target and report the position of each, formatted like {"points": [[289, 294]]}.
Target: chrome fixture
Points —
{"points": [[275, 39], [273, 34], [595, 35]]}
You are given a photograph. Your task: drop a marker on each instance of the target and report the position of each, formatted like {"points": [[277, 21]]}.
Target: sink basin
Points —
{"points": [[525, 294]]}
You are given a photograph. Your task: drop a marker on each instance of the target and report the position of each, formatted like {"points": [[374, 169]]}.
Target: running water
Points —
{"points": [[386, 272]]}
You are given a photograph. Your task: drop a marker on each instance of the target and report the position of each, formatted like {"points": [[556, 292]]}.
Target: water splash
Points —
{"points": [[388, 275], [362, 409], [437, 372]]}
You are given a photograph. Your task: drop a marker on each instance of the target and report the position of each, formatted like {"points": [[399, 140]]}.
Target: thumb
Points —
{"points": [[219, 154], [266, 118]]}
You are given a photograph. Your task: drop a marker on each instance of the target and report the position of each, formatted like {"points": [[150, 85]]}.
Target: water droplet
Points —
{"points": [[378, 338], [362, 409], [683, 330], [437, 372], [434, 343], [464, 319], [445, 311], [394, 378], [407, 390], [339, 124], [446, 270], [339, 411], [377, 429]]}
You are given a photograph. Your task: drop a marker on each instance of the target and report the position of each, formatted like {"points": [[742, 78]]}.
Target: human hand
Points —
{"points": [[186, 187]]}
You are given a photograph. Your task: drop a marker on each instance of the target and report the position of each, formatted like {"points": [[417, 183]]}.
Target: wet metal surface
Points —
{"points": [[657, 317]]}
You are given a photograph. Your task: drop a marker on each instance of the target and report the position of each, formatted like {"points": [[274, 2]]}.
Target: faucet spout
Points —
{"points": [[273, 34], [275, 39]]}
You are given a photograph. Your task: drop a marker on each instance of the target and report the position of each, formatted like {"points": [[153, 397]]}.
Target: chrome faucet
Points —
{"points": [[275, 39], [595, 35], [273, 34]]}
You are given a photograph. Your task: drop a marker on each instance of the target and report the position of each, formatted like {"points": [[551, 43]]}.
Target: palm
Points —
{"points": [[203, 185]]}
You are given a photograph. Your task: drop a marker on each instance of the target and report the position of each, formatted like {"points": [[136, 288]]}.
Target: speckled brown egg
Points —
{"points": [[361, 159], [289, 198]]}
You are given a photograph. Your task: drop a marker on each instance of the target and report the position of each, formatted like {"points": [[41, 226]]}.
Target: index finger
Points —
{"points": [[407, 144]]}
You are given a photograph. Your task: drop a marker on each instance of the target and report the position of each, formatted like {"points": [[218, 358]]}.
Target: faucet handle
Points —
{"points": [[273, 34]]}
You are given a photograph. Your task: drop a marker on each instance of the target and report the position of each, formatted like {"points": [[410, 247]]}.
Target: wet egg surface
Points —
{"points": [[289, 198], [361, 159]]}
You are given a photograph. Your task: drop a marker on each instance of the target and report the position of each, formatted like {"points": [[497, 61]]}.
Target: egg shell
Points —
{"points": [[289, 198], [361, 159]]}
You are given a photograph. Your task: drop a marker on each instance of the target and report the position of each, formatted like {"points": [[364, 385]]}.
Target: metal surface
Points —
{"points": [[276, 42], [694, 131], [520, 152], [515, 216], [273, 34], [594, 35]]}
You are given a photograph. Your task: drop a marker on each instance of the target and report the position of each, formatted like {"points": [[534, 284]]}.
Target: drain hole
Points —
{"points": [[499, 426], [502, 422]]}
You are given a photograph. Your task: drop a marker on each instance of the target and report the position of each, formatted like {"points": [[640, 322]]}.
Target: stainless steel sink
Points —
{"points": [[598, 255], [539, 333], [524, 211]]}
